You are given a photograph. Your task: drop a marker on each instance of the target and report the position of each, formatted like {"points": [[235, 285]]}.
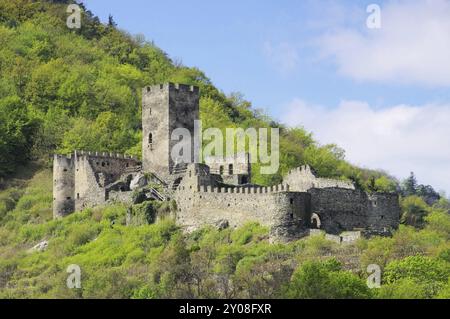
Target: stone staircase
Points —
{"points": [[157, 195]]}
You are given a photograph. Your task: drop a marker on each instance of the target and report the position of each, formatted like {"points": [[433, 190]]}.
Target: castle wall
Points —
{"points": [[93, 172], [301, 179], [346, 210], [80, 180], [89, 188], [221, 164], [63, 186], [339, 209], [384, 212], [285, 212]]}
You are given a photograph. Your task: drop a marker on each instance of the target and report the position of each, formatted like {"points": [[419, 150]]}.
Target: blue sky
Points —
{"points": [[316, 64]]}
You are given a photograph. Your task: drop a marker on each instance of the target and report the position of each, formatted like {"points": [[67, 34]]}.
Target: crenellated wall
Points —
{"points": [[285, 212], [301, 179]]}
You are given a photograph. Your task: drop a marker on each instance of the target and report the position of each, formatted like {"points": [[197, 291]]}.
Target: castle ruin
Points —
{"points": [[218, 192]]}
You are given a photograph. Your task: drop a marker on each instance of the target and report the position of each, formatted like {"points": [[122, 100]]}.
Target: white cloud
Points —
{"points": [[283, 56], [398, 139], [412, 46]]}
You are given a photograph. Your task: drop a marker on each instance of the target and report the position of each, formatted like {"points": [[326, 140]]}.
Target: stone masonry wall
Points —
{"points": [[345, 210], [240, 164], [233, 170], [89, 187], [200, 203], [93, 172], [184, 110], [80, 180], [384, 212], [301, 179], [63, 186], [339, 209], [286, 213]]}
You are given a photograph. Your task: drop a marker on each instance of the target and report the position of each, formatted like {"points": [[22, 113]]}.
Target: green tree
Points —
{"points": [[385, 185], [430, 273], [16, 134], [325, 280], [409, 186], [405, 288], [414, 210], [439, 221], [109, 133]]}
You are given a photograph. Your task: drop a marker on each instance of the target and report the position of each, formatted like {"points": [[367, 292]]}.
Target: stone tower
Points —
{"points": [[165, 108], [63, 186]]}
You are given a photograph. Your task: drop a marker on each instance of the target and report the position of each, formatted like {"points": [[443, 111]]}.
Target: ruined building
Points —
{"points": [[218, 192]]}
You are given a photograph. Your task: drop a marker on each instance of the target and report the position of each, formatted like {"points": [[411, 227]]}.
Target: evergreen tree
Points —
{"points": [[111, 22], [409, 187], [429, 195]]}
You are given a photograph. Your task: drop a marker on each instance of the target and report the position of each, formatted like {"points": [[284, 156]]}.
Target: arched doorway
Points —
{"points": [[315, 221]]}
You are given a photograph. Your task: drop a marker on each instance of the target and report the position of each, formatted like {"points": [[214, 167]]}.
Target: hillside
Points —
{"points": [[62, 90], [158, 261]]}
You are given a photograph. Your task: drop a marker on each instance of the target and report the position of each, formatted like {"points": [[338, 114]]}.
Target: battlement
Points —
{"points": [[285, 212], [238, 190], [171, 86], [104, 155], [304, 169], [86, 154]]}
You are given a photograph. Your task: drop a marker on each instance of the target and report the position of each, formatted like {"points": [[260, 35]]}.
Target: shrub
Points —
{"points": [[405, 288], [414, 210], [325, 280], [81, 234], [144, 213], [430, 274], [248, 232]]}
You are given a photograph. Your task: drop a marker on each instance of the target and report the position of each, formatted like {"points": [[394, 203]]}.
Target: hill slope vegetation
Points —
{"points": [[62, 90]]}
